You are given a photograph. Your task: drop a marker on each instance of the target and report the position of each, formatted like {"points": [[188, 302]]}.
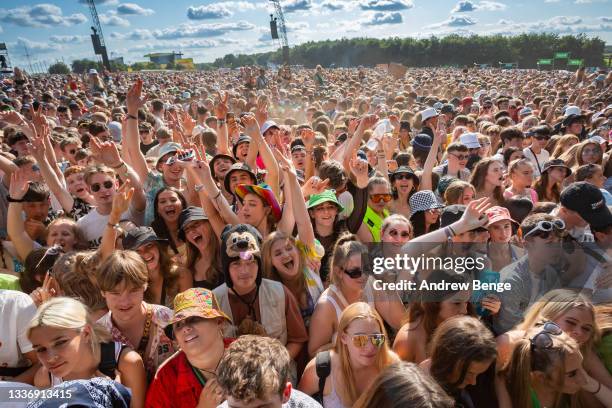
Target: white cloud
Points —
{"points": [[455, 21], [557, 24], [606, 19], [40, 15], [38, 47], [291, 6], [466, 6], [102, 2], [68, 39], [386, 5], [212, 11], [114, 20], [202, 30], [137, 35], [380, 18], [133, 9]]}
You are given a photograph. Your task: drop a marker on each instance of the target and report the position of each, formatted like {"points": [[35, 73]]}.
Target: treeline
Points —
{"points": [[453, 50]]}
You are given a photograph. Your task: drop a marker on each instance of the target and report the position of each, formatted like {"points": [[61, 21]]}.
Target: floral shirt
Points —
{"points": [[159, 347]]}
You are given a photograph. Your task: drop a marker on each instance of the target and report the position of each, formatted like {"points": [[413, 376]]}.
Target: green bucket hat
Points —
{"points": [[324, 197]]}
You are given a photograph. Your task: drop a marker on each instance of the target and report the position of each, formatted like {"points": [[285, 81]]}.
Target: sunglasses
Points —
{"points": [[378, 198], [544, 228], [354, 273], [544, 340], [460, 156], [403, 176], [362, 340], [97, 186], [541, 137]]}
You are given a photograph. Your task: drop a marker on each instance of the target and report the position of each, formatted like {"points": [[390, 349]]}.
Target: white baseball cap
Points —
{"points": [[428, 113], [572, 110]]}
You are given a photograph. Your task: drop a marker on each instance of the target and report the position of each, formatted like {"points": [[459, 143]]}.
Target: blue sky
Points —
{"points": [[204, 30]]}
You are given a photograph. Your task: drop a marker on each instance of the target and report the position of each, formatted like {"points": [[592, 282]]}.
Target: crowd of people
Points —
{"points": [[204, 239]]}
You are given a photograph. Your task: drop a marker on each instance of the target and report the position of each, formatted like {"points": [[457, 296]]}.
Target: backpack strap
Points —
{"points": [[108, 362], [323, 365]]}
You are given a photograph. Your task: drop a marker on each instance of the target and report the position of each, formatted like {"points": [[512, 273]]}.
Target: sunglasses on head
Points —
{"points": [[362, 340], [544, 340], [544, 228], [97, 186], [541, 137], [378, 198], [354, 273]]}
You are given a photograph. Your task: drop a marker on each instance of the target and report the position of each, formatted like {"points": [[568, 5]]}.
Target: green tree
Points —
{"points": [[59, 68], [84, 65]]}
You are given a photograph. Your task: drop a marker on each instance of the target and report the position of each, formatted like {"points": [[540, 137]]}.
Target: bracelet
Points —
{"points": [[119, 166], [217, 196], [14, 200], [132, 117], [114, 226], [598, 389]]}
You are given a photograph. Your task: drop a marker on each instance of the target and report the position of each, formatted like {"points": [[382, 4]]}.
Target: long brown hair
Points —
{"points": [[458, 342], [427, 311], [404, 385], [540, 186], [168, 270], [384, 357], [193, 254], [480, 174]]}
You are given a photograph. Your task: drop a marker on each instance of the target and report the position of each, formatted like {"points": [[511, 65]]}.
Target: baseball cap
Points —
{"points": [[588, 201], [93, 71], [428, 113], [526, 111], [447, 108], [268, 125], [572, 110], [139, 236], [467, 100]]}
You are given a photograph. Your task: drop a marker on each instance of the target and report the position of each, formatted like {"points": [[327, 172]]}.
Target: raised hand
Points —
{"points": [[352, 126], [261, 114], [19, 184], [46, 291], [314, 185], [368, 122], [105, 152], [394, 120], [389, 144], [221, 108], [12, 117], [474, 215], [359, 168], [187, 122], [134, 99], [308, 137], [251, 125], [122, 199]]}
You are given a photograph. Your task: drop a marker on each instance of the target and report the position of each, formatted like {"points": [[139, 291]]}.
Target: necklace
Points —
{"points": [[198, 372]]}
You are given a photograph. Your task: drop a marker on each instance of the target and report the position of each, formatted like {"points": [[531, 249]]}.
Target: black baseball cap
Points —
{"points": [[188, 215], [588, 201], [139, 236]]}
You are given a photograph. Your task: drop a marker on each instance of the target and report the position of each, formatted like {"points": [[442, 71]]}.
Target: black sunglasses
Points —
{"points": [[403, 176], [543, 339], [97, 186], [354, 273]]}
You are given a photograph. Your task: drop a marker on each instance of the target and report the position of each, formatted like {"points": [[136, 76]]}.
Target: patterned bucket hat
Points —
{"points": [[197, 302]]}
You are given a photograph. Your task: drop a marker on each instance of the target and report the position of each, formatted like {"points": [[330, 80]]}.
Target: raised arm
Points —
{"points": [[134, 101], [432, 158], [15, 225], [56, 185], [121, 203], [253, 130], [221, 113], [107, 153], [472, 218]]}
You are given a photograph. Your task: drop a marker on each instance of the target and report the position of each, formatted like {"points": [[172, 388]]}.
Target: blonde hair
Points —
{"points": [[455, 190], [527, 359], [555, 304], [563, 144], [68, 313], [395, 219], [384, 357]]}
